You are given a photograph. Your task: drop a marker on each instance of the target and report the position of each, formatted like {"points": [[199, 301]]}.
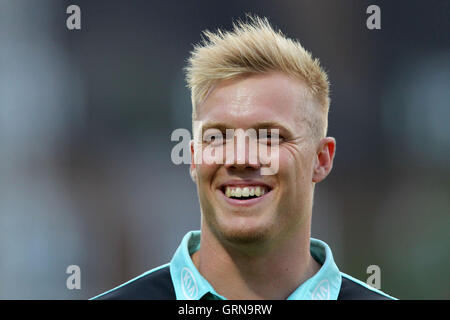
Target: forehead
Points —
{"points": [[246, 101]]}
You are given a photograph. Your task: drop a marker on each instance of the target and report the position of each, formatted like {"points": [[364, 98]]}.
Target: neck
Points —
{"points": [[274, 273]]}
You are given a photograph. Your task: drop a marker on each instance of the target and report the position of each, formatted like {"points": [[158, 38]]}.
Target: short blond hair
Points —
{"points": [[254, 47]]}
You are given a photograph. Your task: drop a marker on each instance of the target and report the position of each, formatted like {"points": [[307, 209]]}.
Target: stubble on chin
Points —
{"points": [[230, 229], [237, 234]]}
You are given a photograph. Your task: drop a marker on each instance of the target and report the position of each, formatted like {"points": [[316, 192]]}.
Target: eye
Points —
{"points": [[213, 137], [271, 137]]}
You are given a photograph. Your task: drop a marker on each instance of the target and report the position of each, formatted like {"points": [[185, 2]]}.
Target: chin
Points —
{"points": [[243, 232]]}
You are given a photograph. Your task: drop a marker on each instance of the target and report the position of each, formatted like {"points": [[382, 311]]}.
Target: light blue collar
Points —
{"points": [[189, 284]]}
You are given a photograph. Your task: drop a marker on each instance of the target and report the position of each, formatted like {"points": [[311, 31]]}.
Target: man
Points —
{"points": [[255, 228]]}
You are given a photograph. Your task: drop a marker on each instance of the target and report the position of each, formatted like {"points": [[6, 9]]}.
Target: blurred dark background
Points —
{"points": [[86, 116]]}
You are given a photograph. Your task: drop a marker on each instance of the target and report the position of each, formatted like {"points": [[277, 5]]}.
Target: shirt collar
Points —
{"points": [[189, 284]]}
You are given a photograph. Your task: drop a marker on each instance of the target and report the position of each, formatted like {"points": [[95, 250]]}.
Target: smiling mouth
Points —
{"points": [[245, 192]]}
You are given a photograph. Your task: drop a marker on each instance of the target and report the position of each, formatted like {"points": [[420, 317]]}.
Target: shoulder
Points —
{"points": [[155, 284], [354, 289]]}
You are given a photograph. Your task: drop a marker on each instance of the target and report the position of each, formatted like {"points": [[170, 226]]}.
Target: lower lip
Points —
{"points": [[244, 203]]}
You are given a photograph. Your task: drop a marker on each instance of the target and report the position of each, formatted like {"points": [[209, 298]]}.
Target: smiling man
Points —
{"points": [[255, 239]]}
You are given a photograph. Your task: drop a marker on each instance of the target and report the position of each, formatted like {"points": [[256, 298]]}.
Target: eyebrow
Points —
{"points": [[260, 125]]}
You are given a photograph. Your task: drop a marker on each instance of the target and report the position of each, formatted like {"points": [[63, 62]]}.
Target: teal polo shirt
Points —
{"points": [[189, 284], [181, 280]]}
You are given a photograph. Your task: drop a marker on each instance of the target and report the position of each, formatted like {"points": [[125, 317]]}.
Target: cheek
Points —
{"points": [[206, 163], [205, 176], [205, 172], [295, 164]]}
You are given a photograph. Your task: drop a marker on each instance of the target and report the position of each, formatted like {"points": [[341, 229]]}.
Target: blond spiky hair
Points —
{"points": [[250, 48]]}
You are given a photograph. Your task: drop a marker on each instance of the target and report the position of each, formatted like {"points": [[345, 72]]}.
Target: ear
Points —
{"points": [[324, 159], [193, 167]]}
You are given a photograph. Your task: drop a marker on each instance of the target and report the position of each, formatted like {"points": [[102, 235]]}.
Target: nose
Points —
{"points": [[242, 152]]}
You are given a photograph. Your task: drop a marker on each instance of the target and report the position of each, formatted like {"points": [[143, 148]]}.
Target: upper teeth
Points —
{"points": [[245, 191]]}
